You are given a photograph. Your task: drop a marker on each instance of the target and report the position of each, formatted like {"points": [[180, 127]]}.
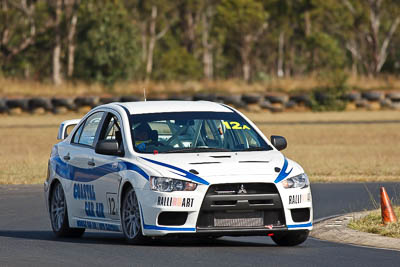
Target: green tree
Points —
{"points": [[178, 64], [107, 43], [242, 22]]}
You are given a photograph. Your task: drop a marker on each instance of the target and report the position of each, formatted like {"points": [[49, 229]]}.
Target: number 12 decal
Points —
{"points": [[234, 125], [112, 203]]}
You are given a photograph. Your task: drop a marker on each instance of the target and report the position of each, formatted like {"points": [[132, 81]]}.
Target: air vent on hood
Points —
{"points": [[205, 162], [221, 157], [253, 161]]}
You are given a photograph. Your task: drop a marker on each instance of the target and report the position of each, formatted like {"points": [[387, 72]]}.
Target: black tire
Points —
{"points": [[372, 95], [251, 98], [129, 98], [290, 238], [59, 214], [40, 102], [107, 100], [3, 106], [90, 101], [63, 102], [394, 96], [290, 104], [130, 218], [352, 96], [18, 103], [205, 96], [230, 99], [301, 99], [266, 104], [282, 99]]}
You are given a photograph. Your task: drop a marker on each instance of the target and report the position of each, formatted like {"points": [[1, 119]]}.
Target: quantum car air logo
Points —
{"points": [[175, 202]]}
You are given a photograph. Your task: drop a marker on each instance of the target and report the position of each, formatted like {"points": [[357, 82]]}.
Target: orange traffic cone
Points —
{"points": [[388, 215]]}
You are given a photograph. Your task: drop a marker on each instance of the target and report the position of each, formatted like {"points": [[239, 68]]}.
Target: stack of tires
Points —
{"points": [[253, 102]]}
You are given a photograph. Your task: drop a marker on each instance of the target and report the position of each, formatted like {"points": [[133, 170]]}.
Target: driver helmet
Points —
{"points": [[141, 134]]}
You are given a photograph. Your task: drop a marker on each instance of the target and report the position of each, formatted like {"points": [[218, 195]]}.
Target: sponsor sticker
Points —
{"points": [[300, 198], [184, 202]]}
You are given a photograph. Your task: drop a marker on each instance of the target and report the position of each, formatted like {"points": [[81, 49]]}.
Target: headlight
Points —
{"points": [[164, 184], [298, 181]]}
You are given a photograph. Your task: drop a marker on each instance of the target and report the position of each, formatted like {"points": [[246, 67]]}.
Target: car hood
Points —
{"points": [[221, 167]]}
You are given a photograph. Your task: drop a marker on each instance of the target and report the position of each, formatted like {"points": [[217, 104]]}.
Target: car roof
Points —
{"points": [[144, 107]]}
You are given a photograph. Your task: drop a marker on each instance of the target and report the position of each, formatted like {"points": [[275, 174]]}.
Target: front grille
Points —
{"points": [[251, 188], [241, 206], [244, 219]]}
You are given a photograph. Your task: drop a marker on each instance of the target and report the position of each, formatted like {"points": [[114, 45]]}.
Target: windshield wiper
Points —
{"points": [[198, 149]]}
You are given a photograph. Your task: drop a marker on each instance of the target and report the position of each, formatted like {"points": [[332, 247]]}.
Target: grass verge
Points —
{"points": [[372, 223]]}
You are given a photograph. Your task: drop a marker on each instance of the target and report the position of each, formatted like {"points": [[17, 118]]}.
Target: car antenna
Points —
{"points": [[144, 93]]}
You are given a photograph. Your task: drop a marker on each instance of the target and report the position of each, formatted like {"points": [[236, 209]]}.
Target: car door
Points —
{"points": [[79, 186], [109, 166]]}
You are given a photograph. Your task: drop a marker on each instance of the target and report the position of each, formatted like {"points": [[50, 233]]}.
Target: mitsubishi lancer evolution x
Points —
{"points": [[161, 168]]}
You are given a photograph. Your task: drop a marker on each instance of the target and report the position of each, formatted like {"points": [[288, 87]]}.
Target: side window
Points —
{"points": [[89, 129], [78, 134], [112, 130]]}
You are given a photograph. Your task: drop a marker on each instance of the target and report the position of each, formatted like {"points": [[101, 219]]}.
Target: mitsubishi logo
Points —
{"points": [[242, 190]]}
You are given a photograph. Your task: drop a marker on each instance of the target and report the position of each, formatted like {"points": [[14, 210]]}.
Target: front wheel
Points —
{"points": [[131, 224], [59, 214], [290, 238]]}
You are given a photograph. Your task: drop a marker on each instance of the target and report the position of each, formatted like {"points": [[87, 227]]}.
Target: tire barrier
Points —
{"points": [[301, 99], [108, 100], [130, 98], [282, 99], [352, 96], [40, 102], [372, 95], [87, 101], [234, 100], [251, 98], [205, 96], [393, 96], [21, 103], [253, 102], [3, 106]]}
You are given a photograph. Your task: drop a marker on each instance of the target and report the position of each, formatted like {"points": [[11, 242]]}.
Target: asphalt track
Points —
{"points": [[26, 238]]}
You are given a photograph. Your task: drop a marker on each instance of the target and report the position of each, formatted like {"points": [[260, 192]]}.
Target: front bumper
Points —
{"points": [[220, 210]]}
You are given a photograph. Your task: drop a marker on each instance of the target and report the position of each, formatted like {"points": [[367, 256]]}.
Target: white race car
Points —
{"points": [[157, 168]]}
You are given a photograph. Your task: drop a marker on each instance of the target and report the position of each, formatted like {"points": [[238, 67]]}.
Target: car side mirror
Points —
{"points": [[108, 147], [279, 142]]}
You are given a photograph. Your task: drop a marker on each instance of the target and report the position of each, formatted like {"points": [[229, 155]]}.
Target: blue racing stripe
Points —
{"points": [[299, 225], [188, 175], [67, 171], [155, 227], [283, 174]]}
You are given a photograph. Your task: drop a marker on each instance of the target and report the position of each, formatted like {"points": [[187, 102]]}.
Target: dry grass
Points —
{"points": [[340, 152], [329, 153], [372, 223], [26, 143], [334, 116], [18, 88]]}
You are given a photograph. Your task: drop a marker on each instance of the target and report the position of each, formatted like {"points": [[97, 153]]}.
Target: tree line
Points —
{"points": [[111, 40]]}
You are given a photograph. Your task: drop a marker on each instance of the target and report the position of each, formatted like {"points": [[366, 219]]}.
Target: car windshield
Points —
{"points": [[193, 132]]}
